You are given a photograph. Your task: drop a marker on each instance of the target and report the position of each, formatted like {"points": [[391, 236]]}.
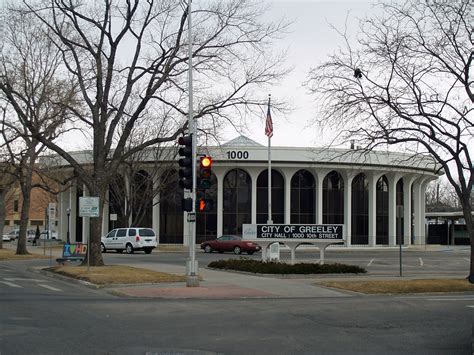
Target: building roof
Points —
{"points": [[242, 141]]}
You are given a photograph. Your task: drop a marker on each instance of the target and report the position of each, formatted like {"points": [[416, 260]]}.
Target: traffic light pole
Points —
{"points": [[192, 278]]}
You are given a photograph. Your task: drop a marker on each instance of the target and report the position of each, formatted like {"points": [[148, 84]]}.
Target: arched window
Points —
{"points": [[278, 197], [382, 211], [360, 210], [303, 198], [333, 198], [141, 199], [237, 201], [171, 213], [400, 218], [117, 197], [206, 222]]}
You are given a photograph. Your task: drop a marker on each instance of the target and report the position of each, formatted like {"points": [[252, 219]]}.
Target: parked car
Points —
{"points": [[232, 243], [48, 235], [129, 239], [12, 235]]}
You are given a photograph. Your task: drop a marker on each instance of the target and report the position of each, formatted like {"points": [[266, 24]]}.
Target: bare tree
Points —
{"points": [[131, 62], [441, 196], [30, 92], [408, 82]]}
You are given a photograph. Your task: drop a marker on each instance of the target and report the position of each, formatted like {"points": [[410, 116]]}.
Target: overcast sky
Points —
{"points": [[310, 42]]}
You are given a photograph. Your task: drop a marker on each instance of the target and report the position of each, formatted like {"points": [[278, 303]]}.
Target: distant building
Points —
{"points": [[377, 196], [40, 199]]}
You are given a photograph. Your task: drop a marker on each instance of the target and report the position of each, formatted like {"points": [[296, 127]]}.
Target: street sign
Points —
{"points": [[88, 206], [191, 217], [293, 231]]}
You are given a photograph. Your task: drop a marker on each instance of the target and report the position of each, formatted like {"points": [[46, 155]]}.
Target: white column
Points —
{"points": [[407, 183], [85, 220], [155, 214], [126, 198], [320, 174], [220, 203], [372, 187], [392, 209], [73, 206], [288, 175], [348, 177], [287, 199], [253, 177], [62, 225], [419, 187]]}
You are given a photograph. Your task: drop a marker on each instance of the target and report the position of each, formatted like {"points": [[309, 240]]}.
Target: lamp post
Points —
{"points": [[68, 212]]}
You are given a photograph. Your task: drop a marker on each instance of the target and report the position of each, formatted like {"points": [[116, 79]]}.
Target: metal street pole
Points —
{"points": [[192, 279], [68, 212]]}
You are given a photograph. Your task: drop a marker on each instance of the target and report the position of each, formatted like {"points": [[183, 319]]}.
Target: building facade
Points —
{"points": [[379, 197]]}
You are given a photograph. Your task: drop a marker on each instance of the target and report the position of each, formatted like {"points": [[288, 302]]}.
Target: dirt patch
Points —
{"points": [[402, 286]]}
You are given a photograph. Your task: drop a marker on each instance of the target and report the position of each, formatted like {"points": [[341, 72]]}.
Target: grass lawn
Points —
{"points": [[9, 254], [402, 286], [115, 274]]}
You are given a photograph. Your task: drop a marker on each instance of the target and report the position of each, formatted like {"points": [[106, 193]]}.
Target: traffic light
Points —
{"points": [[186, 162], [205, 205], [205, 172]]}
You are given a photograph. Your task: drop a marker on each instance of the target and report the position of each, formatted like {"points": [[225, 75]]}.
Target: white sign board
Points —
{"points": [[88, 207], [113, 216]]}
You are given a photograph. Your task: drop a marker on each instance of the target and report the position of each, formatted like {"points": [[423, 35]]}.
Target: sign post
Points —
{"points": [[293, 235]]}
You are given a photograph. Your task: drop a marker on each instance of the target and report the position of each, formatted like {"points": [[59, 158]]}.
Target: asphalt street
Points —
{"points": [[41, 314]]}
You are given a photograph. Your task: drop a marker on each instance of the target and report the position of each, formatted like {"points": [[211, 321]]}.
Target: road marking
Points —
{"points": [[370, 262], [50, 287], [470, 306], [451, 299], [21, 279], [421, 261], [467, 259], [11, 284]]}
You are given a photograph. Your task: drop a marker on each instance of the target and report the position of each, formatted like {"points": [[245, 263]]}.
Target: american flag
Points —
{"points": [[269, 123]]}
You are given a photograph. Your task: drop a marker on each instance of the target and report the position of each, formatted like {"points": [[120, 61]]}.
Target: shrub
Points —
{"points": [[272, 267]]}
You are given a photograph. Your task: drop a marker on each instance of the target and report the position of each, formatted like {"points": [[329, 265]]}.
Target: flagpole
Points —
{"points": [[269, 221]]}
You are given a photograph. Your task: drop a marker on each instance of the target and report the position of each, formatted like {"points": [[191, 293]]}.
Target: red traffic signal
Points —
{"points": [[205, 205]]}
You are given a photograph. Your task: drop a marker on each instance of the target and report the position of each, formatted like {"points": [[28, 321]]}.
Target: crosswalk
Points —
{"points": [[19, 282]]}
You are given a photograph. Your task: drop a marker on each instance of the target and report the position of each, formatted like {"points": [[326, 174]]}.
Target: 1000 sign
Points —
{"points": [[237, 154]]}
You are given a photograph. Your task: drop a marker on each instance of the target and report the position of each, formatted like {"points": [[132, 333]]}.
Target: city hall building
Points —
{"points": [[379, 197]]}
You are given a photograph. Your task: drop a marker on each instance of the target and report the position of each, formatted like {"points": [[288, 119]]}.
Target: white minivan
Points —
{"points": [[129, 239]]}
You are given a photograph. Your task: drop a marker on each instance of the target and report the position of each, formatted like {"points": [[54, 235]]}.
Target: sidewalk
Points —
{"points": [[216, 284]]}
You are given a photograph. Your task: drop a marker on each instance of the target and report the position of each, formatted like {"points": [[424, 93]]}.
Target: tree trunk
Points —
{"points": [[467, 211], [3, 193], [24, 217], [94, 254]]}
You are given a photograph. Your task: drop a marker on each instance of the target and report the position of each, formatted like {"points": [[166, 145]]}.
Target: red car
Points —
{"points": [[230, 243]]}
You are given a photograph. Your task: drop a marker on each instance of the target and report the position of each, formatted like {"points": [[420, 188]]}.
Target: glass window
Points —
{"points": [[278, 197], [360, 211], [237, 201], [122, 232], [382, 211], [111, 234], [146, 232], [303, 198], [132, 232], [171, 214], [333, 198]]}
